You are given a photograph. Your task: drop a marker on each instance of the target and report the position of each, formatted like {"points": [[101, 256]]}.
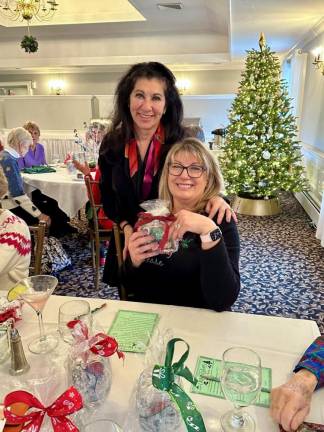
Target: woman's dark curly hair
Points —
{"points": [[173, 116]]}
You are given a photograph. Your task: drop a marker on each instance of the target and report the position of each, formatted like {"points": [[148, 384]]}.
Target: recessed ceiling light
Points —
{"points": [[165, 6]]}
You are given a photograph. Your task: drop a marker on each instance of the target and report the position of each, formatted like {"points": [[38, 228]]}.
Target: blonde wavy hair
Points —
{"points": [[213, 174], [31, 126], [3, 183]]}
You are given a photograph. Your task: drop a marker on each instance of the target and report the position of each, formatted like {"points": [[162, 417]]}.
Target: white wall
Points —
{"points": [[50, 112], [69, 112], [312, 123], [104, 83], [211, 110]]}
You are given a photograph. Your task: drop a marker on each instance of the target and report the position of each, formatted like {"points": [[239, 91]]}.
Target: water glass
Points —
{"points": [[69, 311], [102, 425], [241, 384]]}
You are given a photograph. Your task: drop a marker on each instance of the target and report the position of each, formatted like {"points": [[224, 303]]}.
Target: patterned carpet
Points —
{"points": [[282, 266]]}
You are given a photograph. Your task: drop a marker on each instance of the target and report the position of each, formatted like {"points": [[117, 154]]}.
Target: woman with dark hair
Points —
{"points": [[147, 121]]}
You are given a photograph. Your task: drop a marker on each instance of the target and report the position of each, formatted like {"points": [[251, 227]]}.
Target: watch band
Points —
{"points": [[213, 235]]}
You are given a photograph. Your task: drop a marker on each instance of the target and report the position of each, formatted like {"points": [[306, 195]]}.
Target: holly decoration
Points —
{"points": [[29, 44]]}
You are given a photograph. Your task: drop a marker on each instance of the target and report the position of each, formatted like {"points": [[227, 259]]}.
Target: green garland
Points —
{"points": [[29, 44]]}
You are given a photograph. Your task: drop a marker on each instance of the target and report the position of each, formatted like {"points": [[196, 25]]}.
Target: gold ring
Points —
{"points": [[177, 226]]}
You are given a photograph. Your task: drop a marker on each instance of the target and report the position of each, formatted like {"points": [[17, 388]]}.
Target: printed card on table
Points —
{"points": [[133, 330], [207, 367], [307, 427]]}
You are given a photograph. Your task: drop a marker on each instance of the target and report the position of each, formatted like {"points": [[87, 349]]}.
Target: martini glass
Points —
{"points": [[36, 293], [241, 384]]}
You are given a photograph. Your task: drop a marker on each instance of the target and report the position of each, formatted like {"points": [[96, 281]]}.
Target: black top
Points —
{"points": [[121, 194], [191, 276]]}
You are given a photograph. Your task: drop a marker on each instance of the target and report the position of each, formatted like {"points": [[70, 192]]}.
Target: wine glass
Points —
{"points": [[69, 311], [102, 425], [241, 384], [36, 292]]}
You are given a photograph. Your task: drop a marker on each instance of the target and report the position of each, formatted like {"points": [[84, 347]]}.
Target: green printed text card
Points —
{"points": [[209, 367], [133, 330]]}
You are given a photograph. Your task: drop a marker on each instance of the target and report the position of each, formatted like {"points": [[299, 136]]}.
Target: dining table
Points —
{"points": [[65, 187], [280, 342]]}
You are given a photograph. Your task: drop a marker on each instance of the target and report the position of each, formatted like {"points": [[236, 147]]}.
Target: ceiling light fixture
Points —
{"points": [[42, 10], [26, 10]]}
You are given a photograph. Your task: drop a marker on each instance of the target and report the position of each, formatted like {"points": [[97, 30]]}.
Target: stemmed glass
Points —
{"points": [[241, 384], [36, 292], [102, 425]]}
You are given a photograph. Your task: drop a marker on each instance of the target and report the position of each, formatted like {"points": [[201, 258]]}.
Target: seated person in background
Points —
{"points": [[36, 153], [17, 201], [290, 403], [15, 245], [204, 272]]}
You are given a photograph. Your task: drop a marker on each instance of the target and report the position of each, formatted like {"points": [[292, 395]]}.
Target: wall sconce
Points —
{"points": [[318, 63], [56, 86], [183, 85]]}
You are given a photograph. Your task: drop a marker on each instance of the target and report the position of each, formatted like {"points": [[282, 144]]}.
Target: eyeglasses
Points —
{"points": [[193, 171]]}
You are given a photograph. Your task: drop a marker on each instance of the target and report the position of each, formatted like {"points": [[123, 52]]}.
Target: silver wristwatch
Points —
{"points": [[213, 235]]}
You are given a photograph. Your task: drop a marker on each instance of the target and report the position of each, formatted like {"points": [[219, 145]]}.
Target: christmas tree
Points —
{"points": [[261, 154]]}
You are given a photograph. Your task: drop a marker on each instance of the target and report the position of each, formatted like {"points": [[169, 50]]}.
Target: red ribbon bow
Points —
{"points": [[145, 218], [68, 403], [100, 343]]}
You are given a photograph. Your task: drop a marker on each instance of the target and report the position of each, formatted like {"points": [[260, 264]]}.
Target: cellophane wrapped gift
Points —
{"points": [[46, 380], [159, 404], [89, 367], [156, 222], [9, 309], [150, 409]]}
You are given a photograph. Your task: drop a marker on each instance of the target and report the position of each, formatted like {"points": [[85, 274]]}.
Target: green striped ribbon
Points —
{"points": [[163, 379]]}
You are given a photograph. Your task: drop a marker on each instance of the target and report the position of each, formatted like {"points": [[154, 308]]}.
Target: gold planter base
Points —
{"points": [[256, 207]]}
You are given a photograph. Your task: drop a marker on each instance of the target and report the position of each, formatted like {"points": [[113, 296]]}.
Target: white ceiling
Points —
{"points": [[111, 34]]}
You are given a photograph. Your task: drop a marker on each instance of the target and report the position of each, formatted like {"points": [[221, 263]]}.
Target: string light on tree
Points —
{"points": [[262, 133]]}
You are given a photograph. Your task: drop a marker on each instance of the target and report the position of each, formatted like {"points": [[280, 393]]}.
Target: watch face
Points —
{"points": [[216, 234]]}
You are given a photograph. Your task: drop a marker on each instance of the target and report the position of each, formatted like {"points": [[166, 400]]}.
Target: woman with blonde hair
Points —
{"points": [[36, 153], [39, 207], [16, 200], [15, 245], [204, 272]]}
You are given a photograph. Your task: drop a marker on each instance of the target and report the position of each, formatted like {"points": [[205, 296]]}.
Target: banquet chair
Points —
{"points": [[37, 234], [98, 234]]}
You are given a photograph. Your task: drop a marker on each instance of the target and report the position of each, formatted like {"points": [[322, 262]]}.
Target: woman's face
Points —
{"points": [[184, 189], [23, 147], [147, 104], [35, 135]]}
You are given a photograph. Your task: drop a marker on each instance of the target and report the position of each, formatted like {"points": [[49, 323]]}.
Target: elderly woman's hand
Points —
{"points": [[141, 246], [218, 204], [290, 403]]}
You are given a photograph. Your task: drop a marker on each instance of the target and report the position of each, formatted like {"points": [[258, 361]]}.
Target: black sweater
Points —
{"points": [[191, 276]]}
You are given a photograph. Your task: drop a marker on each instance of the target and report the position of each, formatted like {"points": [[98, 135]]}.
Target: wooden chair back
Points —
{"points": [[37, 234], [97, 234]]}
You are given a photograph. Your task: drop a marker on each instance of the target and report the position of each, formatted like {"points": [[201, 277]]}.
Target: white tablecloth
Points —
{"points": [[279, 341], [70, 193]]}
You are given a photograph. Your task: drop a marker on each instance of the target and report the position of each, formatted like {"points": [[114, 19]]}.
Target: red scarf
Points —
{"points": [[152, 161]]}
